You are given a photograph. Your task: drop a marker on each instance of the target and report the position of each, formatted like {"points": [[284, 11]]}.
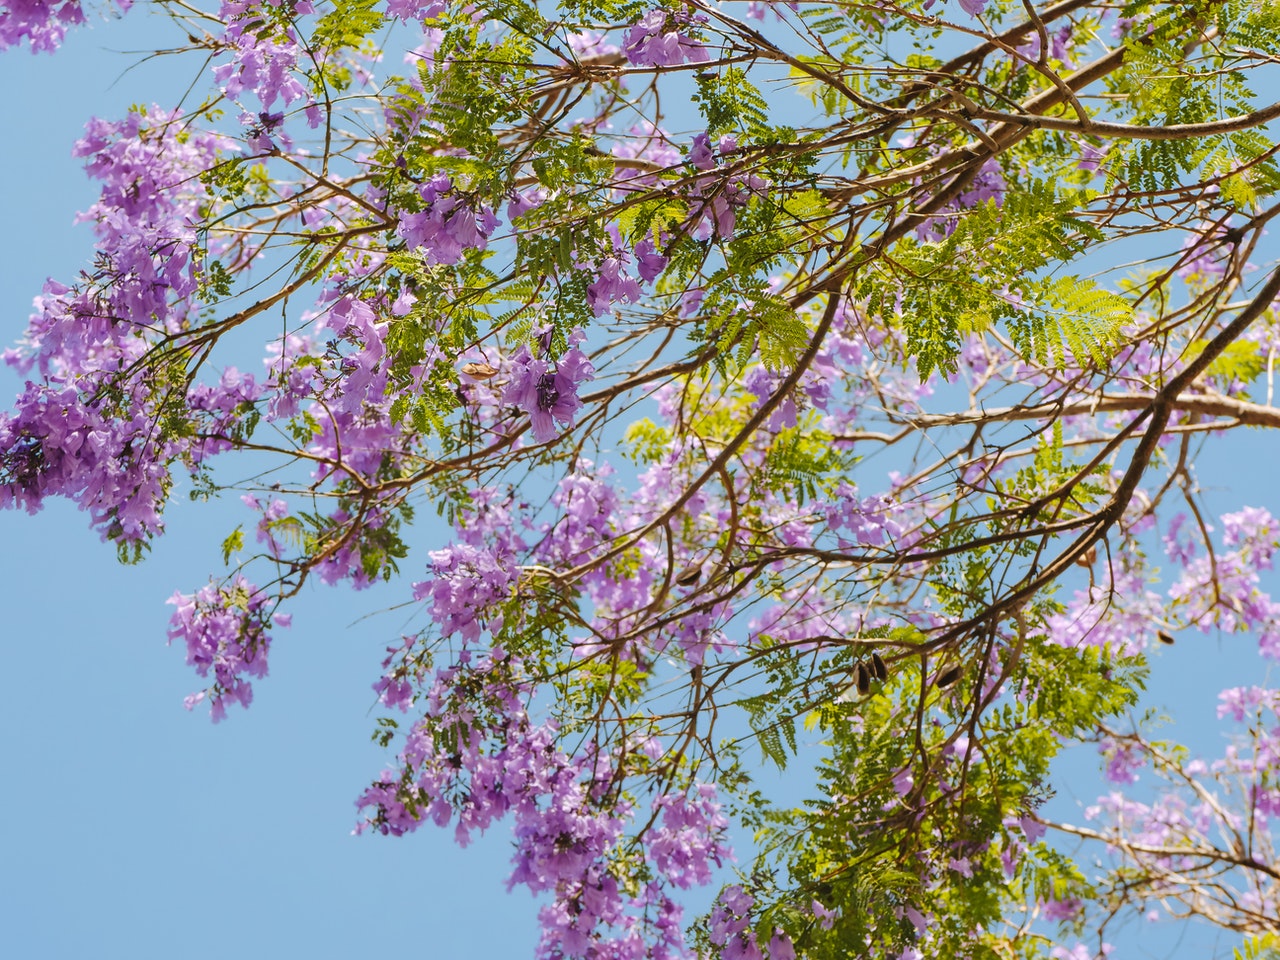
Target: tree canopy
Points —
{"points": [[815, 386]]}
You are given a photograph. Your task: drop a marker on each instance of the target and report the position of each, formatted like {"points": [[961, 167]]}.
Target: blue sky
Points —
{"points": [[134, 829]]}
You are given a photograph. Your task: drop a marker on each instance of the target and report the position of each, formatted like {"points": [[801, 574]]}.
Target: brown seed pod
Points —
{"points": [[689, 576], [878, 668], [1087, 558], [480, 371], [1164, 637], [948, 676], [863, 676]]}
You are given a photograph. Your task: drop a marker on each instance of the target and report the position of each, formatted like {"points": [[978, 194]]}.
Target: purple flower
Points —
{"points": [[588, 44], [826, 918], [700, 154], [1124, 759], [612, 283], [42, 23], [1091, 158], [225, 629], [548, 393], [651, 144], [1055, 910], [263, 61], [649, 263], [421, 10], [780, 946], [656, 40], [447, 226]]}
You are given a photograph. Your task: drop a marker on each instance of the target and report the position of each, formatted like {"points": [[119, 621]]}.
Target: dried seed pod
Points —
{"points": [[689, 576], [878, 668], [949, 676], [481, 371], [1087, 558], [863, 676], [1164, 637]]}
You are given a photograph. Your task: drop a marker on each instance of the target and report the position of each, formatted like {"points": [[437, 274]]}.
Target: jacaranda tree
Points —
{"points": [[806, 384]]}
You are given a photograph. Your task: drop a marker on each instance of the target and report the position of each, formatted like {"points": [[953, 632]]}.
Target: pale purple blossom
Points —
{"points": [[447, 225], [548, 392], [658, 40], [225, 630]]}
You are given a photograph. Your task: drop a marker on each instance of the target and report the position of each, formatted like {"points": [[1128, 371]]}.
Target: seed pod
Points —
{"points": [[1164, 637], [878, 668], [863, 676], [948, 676], [480, 371], [689, 576], [1087, 558]]}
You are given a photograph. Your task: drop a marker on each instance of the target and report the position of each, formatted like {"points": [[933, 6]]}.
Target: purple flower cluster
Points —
{"points": [[730, 929], [973, 8], [149, 166], [264, 61], [1124, 759], [872, 521], [650, 143], [1121, 618], [1224, 591], [548, 392], [1206, 253], [658, 40], [471, 576], [588, 504], [225, 629], [987, 184], [87, 429], [690, 838], [477, 757], [715, 198], [466, 582], [420, 10], [756, 8], [448, 225], [803, 612], [42, 23], [613, 281]]}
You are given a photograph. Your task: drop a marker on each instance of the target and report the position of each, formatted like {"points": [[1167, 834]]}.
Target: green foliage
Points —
{"points": [[1070, 312], [751, 324], [731, 104], [1241, 361], [347, 25], [989, 269], [646, 442], [803, 461], [233, 544], [1264, 946]]}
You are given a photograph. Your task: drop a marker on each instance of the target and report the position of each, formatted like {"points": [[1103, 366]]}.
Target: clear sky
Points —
{"points": [[132, 829]]}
